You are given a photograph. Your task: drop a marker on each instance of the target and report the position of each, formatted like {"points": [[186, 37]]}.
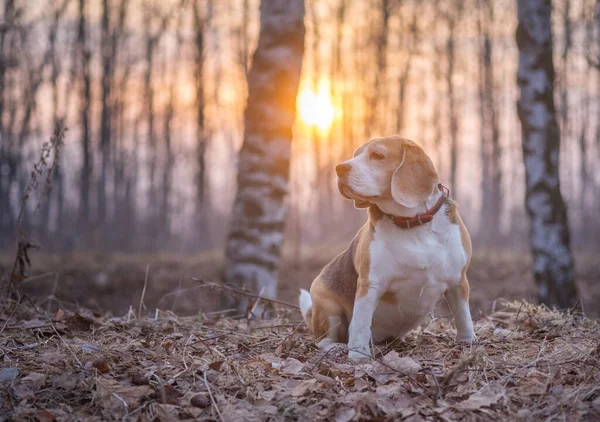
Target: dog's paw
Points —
{"points": [[327, 345], [359, 355], [467, 338]]}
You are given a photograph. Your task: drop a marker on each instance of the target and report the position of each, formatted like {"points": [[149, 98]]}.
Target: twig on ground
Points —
{"points": [[462, 364], [212, 399], [67, 345], [115, 395], [12, 314], [438, 395], [139, 315], [38, 277], [290, 334], [53, 294], [241, 292], [183, 352]]}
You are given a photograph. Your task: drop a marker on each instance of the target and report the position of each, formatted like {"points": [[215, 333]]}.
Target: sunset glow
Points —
{"points": [[316, 108]]}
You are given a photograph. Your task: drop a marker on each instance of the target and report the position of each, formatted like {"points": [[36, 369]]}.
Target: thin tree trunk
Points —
{"points": [[6, 157], [564, 94], [86, 94], [167, 172], [120, 162], [152, 39], [377, 98], [316, 193], [104, 144], [411, 48], [452, 18], [57, 119], [201, 138], [437, 110], [490, 136], [550, 244], [256, 233], [484, 55]]}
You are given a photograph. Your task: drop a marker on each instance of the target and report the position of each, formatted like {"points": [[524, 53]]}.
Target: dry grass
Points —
{"points": [[530, 363]]}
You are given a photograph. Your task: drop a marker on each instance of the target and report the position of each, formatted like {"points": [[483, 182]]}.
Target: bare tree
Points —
{"points": [[377, 97], [58, 115], [201, 138], [452, 17], [169, 156], [153, 37], [409, 40], [86, 99], [550, 245], [491, 179], [109, 43], [8, 158], [256, 234]]}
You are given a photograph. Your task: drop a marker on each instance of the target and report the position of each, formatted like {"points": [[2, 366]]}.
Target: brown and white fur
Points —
{"points": [[389, 278]]}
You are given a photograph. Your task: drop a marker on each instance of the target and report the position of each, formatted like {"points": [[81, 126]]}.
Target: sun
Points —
{"points": [[316, 108]]}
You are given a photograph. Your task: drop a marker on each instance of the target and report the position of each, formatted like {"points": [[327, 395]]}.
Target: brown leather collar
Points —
{"points": [[423, 218]]}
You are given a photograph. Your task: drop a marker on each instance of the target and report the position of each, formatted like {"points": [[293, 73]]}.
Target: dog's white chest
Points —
{"points": [[414, 267], [429, 253]]}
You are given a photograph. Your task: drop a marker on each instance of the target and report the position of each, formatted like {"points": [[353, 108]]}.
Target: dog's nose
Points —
{"points": [[342, 169]]}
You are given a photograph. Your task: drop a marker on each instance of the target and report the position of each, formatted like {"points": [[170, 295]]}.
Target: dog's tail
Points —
{"points": [[306, 307]]}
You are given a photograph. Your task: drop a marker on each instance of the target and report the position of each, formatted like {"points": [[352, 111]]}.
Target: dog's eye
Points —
{"points": [[374, 155]]}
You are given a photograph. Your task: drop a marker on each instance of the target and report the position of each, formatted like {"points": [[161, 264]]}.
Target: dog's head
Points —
{"points": [[385, 168]]}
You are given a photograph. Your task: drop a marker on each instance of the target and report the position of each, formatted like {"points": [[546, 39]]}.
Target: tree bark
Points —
{"points": [[549, 230], [256, 234]]}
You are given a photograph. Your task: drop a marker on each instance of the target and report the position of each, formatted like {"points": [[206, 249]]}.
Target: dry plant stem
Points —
{"points": [[323, 357], [122, 401], [241, 292], [291, 334], [19, 300], [458, 368], [11, 315], [212, 399], [67, 345], [38, 277], [143, 292], [53, 294], [49, 149], [438, 395]]}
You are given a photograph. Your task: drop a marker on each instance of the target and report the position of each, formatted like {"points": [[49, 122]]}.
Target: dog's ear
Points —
{"points": [[359, 203], [415, 178]]}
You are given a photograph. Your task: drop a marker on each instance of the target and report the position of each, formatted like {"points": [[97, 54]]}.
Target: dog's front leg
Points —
{"points": [[458, 301], [367, 296]]}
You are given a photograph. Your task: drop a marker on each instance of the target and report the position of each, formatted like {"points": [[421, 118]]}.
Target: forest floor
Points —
{"points": [[529, 363], [82, 345]]}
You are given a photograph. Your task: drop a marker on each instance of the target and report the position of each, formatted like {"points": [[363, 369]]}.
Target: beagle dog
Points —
{"points": [[413, 249]]}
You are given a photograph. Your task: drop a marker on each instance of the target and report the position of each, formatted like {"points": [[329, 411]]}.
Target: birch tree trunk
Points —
{"points": [[256, 233], [549, 230]]}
